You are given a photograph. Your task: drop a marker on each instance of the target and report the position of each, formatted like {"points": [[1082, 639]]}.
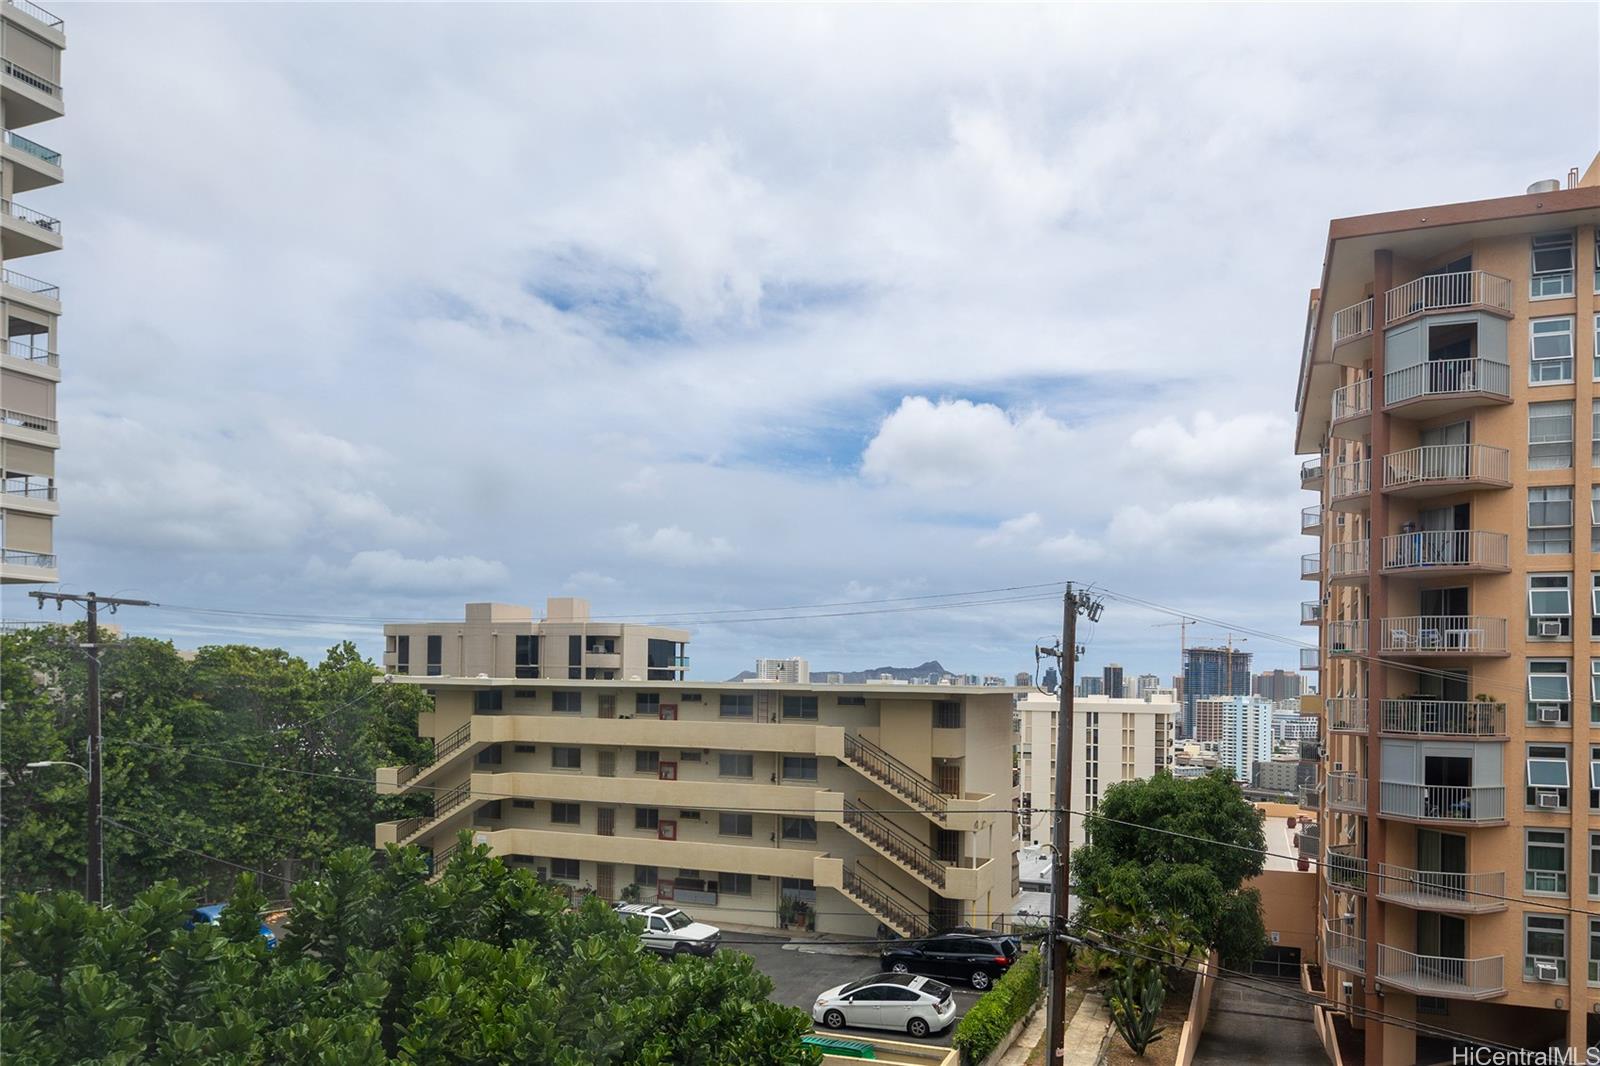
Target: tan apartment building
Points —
{"points": [[31, 42], [1114, 740], [1450, 352], [839, 808]]}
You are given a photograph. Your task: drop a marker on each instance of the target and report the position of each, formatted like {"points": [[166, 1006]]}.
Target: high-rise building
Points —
{"points": [[1449, 356], [786, 671], [1114, 740], [1024, 679], [1277, 685], [1212, 672], [1146, 684], [844, 808], [31, 40], [1091, 686], [1241, 729], [1111, 677]]}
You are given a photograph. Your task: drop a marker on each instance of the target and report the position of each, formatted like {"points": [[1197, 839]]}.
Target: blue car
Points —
{"points": [[211, 912]]}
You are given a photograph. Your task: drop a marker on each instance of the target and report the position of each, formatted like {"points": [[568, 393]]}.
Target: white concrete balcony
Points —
{"points": [[1468, 720], [1443, 469], [25, 567], [1443, 636], [1455, 804], [1346, 868], [1347, 563], [1347, 791], [1437, 552], [1351, 417], [1445, 386], [26, 231], [1441, 975], [1466, 290], [30, 428], [1442, 890], [22, 492], [1347, 637], [1352, 324], [1350, 485], [1311, 520], [36, 357], [1347, 714], [28, 97], [22, 289], [1311, 474], [33, 166], [1343, 950]]}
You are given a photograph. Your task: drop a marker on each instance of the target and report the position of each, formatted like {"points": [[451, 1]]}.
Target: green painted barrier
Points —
{"points": [[846, 1049]]}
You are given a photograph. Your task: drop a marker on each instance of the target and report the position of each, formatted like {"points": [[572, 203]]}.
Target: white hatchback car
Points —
{"points": [[900, 1001], [672, 932]]}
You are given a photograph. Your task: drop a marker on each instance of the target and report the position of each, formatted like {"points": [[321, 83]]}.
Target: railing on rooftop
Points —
{"points": [[34, 11]]}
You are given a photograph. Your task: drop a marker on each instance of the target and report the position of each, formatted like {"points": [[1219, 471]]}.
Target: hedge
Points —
{"points": [[998, 1009]]}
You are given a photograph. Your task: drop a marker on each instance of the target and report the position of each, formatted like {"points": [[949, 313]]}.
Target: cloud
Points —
{"points": [[945, 444], [1071, 548], [1010, 530], [386, 570], [1230, 452], [669, 544], [1202, 527]]}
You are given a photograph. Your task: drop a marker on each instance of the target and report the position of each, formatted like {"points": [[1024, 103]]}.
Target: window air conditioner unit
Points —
{"points": [[1322, 752], [1548, 712], [1549, 798], [1349, 989], [1338, 766], [1546, 971], [1549, 627]]}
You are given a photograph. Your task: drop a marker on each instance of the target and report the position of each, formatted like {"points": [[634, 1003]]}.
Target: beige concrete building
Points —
{"points": [[1450, 354], [841, 808], [1113, 740], [31, 42]]}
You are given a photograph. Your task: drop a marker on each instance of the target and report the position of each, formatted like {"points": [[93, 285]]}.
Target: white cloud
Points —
{"points": [[670, 544], [1202, 528], [386, 570], [945, 444], [1227, 452], [1071, 548], [1011, 530]]}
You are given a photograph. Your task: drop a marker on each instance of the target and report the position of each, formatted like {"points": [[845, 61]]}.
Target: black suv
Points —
{"points": [[978, 959]]}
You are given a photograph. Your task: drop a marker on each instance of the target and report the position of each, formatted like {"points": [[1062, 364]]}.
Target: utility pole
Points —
{"points": [[1073, 603], [92, 603]]}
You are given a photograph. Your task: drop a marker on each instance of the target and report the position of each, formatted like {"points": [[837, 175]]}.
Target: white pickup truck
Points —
{"points": [[670, 931]]}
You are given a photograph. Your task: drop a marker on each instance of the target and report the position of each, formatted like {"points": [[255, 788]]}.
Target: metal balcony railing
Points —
{"points": [[33, 285], [1442, 889], [1311, 518], [1443, 635], [894, 775], [886, 902], [1311, 565], [1310, 612], [1350, 479], [1344, 950], [34, 11], [16, 557], [1447, 292], [1441, 975], [894, 842], [1442, 803], [20, 348], [27, 421], [1309, 660], [1345, 868], [30, 79], [33, 148], [1347, 636], [1443, 718], [1352, 400], [1352, 322], [1310, 472], [1348, 560], [1480, 463], [33, 488], [1447, 377], [1461, 549], [1347, 791], [1347, 714], [30, 216]]}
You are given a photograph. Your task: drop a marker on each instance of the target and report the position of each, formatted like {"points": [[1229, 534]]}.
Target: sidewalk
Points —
{"points": [[1086, 1036]]}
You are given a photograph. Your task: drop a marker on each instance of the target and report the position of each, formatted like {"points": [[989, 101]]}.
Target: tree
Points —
{"points": [[378, 966], [1209, 841]]}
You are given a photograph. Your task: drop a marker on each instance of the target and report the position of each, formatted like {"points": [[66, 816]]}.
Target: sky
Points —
{"points": [[374, 310]]}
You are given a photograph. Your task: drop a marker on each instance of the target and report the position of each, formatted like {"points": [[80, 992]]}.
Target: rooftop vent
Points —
{"points": [[1548, 185]]}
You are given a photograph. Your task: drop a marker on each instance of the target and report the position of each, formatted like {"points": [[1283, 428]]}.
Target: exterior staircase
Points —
{"points": [[885, 902], [894, 843], [444, 805], [917, 789], [443, 750], [440, 860]]}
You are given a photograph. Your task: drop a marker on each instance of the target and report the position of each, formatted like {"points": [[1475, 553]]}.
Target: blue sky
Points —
{"points": [[734, 307]]}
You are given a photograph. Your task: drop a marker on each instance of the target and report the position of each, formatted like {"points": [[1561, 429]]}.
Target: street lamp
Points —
{"points": [[89, 871], [84, 770]]}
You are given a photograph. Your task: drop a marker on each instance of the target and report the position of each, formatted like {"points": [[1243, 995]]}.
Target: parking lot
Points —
{"points": [[800, 971]]}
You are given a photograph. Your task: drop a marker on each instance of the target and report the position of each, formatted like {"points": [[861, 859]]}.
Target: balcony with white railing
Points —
{"points": [[1311, 566], [1310, 612], [1442, 635], [44, 290], [1442, 890], [1348, 562], [1343, 950], [1350, 485], [1352, 407], [1311, 519], [1347, 636], [1346, 868], [34, 493], [1309, 659], [28, 96], [23, 420], [1441, 975], [1437, 469], [24, 349], [1347, 791], [28, 232], [1454, 804], [33, 165], [1440, 386], [1466, 290], [1437, 552], [1311, 474], [1469, 720], [1352, 323], [1347, 714]]}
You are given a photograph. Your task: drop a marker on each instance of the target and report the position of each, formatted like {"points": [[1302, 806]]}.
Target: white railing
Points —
{"points": [[30, 216], [26, 421], [1460, 548], [1309, 659], [1348, 560], [1440, 975], [35, 11], [1345, 868], [1352, 400], [1347, 635], [1352, 322], [1443, 634], [1311, 564], [33, 488], [1310, 470], [1347, 791], [1444, 292], [1443, 803], [1343, 950], [30, 79], [16, 557], [1310, 612], [1311, 518], [1444, 718], [33, 285], [20, 348], [1442, 889], [1446, 462], [1351, 479], [1447, 377], [1347, 714]]}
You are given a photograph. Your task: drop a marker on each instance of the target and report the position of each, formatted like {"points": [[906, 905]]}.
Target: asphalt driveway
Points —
{"points": [[800, 971]]}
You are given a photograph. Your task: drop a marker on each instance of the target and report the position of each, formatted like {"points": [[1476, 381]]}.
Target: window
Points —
{"points": [[799, 767], [647, 705], [1550, 605], [1550, 350], [730, 765], [1594, 951], [435, 655], [646, 762], [525, 749], [566, 758], [689, 697], [490, 756], [799, 829], [1594, 518], [734, 825], [574, 657], [1550, 435], [402, 654], [1549, 692], [525, 693], [739, 706], [734, 884], [646, 875], [1545, 861], [1594, 778], [1544, 940], [564, 813], [861, 701], [1594, 691], [1547, 775], [489, 700], [524, 805], [527, 655], [493, 810], [566, 702], [689, 756], [946, 714], [1550, 520], [800, 707], [564, 869], [646, 818], [1597, 320], [688, 816], [1552, 266], [1594, 865]]}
